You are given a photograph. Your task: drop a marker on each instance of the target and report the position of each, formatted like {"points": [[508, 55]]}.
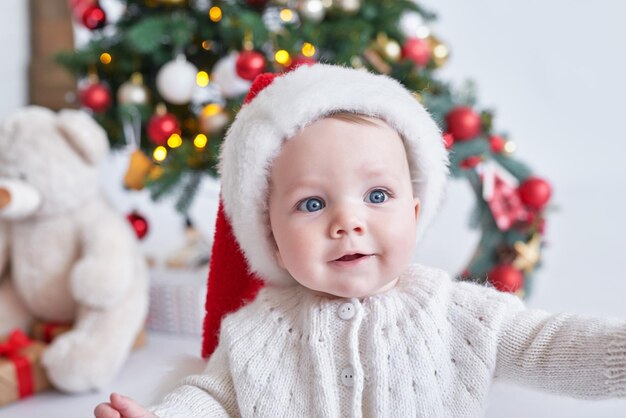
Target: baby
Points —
{"points": [[329, 177]]}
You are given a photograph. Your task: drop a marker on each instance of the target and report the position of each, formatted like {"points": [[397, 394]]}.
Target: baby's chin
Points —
{"points": [[355, 293]]}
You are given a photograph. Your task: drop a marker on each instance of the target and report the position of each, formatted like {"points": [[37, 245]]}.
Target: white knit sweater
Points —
{"points": [[429, 347]]}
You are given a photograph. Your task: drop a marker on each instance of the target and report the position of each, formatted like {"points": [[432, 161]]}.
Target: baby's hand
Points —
{"points": [[122, 407]]}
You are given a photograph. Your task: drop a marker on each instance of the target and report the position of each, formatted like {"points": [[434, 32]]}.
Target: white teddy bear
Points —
{"points": [[65, 254]]}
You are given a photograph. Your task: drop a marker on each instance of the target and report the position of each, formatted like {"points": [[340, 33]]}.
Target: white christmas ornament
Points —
{"points": [[272, 20], [202, 5], [410, 22], [207, 94], [133, 91], [312, 10], [225, 76], [350, 6], [176, 80]]}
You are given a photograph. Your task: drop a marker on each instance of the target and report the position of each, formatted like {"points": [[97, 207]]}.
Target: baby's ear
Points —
{"points": [[416, 203]]}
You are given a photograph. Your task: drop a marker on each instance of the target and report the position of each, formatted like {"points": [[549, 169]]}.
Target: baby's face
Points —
{"points": [[342, 209]]}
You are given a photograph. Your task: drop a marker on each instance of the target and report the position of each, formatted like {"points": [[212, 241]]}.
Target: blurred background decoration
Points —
{"points": [[165, 78]]}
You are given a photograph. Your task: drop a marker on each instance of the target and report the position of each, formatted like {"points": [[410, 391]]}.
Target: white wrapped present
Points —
{"points": [[177, 300]]}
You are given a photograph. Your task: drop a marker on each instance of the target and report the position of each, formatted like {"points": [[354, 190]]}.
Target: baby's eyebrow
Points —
{"points": [[299, 184], [376, 171]]}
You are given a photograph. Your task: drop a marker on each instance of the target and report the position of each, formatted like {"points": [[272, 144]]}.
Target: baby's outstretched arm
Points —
{"points": [[122, 407]]}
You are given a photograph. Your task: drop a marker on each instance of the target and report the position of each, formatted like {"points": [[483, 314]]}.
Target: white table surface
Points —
{"points": [[149, 372]]}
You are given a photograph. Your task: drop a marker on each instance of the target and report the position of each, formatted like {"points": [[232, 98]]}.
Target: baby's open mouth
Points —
{"points": [[350, 257]]}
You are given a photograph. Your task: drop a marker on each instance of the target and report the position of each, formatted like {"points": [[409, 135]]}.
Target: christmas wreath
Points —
{"points": [[180, 68]]}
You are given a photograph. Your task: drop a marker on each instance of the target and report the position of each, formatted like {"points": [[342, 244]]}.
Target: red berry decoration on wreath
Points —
{"points": [[448, 140], [95, 96], [496, 143], [535, 192], [161, 126], [506, 278], [249, 64], [463, 123], [417, 50]]}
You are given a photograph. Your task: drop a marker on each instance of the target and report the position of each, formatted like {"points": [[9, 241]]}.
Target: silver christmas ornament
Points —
{"points": [[312, 10]]}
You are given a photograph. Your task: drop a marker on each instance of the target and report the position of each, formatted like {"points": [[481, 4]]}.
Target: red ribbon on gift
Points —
{"points": [[11, 349]]}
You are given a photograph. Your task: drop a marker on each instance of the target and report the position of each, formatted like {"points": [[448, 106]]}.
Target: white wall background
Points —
{"points": [[554, 73]]}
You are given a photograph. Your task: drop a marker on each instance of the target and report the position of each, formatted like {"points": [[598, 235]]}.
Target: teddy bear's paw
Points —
{"points": [[76, 362]]}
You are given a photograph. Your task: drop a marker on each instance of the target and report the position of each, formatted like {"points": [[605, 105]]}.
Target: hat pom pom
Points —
{"points": [[260, 82]]}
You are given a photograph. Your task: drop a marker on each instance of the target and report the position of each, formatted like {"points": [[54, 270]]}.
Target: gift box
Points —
{"points": [[177, 299], [21, 373], [48, 331]]}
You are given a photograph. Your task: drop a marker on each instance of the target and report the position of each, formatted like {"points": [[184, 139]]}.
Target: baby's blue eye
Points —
{"points": [[376, 196], [311, 204]]}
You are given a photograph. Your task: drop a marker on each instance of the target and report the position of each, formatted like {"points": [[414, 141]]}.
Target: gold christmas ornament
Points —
{"points": [[374, 58], [440, 51], [388, 48], [215, 14], [105, 58], [155, 172], [212, 118], [138, 169]]}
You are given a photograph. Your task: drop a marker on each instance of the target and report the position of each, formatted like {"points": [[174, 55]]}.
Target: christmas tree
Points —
{"points": [[168, 77]]}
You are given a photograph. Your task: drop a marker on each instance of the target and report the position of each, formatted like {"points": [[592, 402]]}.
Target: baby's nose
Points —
{"points": [[346, 222]]}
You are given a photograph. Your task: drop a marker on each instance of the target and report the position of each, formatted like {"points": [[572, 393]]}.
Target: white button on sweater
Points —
{"points": [[429, 347]]}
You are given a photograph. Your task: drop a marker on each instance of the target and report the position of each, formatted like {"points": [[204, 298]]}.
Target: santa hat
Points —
{"points": [[276, 108]]}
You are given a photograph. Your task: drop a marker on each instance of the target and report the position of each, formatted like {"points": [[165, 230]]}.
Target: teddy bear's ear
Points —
{"points": [[83, 134]]}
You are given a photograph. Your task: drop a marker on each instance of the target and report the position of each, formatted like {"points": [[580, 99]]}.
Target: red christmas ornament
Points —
{"points": [[93, 17], [160, 127], [139, 224], [96, 96], [300, 60], [257, 3], [448, 140], [417, 50], [470, 162], [535, 192], [506, 278], [250, 64], [463, 123], [496, 143]]}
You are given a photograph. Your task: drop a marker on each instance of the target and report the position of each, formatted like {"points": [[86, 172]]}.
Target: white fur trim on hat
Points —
{"points": [[293, 101]]}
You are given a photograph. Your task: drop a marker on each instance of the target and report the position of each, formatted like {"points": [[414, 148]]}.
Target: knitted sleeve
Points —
{"points": [[564, 354], [211, 394]]}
